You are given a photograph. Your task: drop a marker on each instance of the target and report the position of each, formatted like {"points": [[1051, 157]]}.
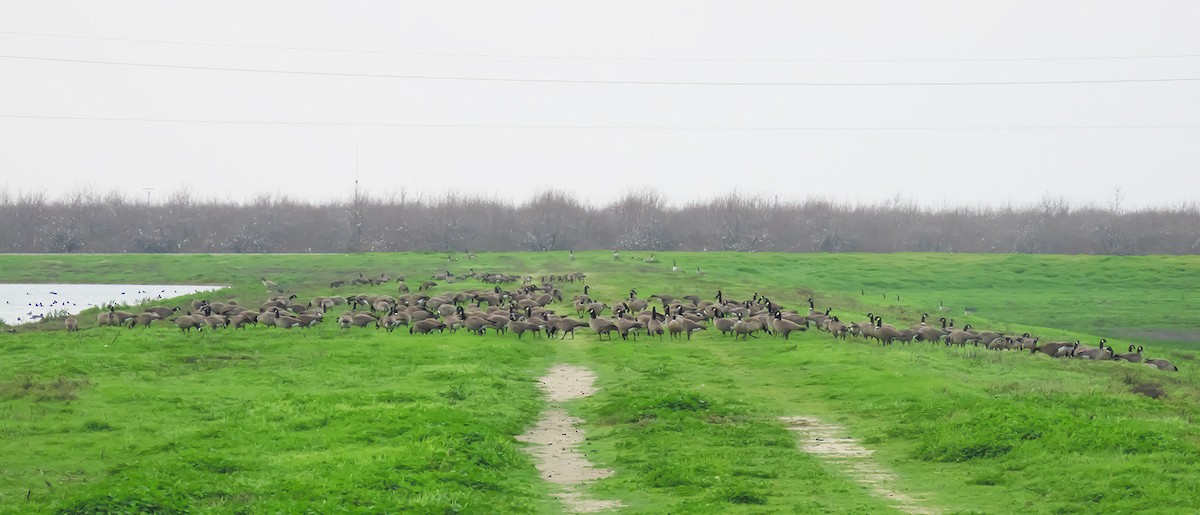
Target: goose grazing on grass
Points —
{"points": [[185, 323]]}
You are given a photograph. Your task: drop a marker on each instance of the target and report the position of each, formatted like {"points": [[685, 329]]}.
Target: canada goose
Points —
{"points": [[143, 319], [571, 255], [521, 328], [625, 326], [680, 325], [71, 324], [1101, 353], [162, 311], [215, 321], [1162, 364], [941, 306], [567, 325], [961, 338], [426, 326], [885, 334], [362, 319], [185, 323], [786, 327], [426, 286], [654, 326], [1051, 348], [107, 317], [742, 328], [838, 328], [270, 285], [601, 326], [699, 272], [337, 284], [287, 322], [674, 266], [724, 325], [476, 325], [616, 255], [1132, 356]]}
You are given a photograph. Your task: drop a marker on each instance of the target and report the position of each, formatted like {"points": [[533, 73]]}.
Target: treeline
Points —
{"points": [[554, 220]]}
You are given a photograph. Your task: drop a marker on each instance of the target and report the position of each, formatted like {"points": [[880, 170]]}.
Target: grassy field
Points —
{"points": [[265, 420]]}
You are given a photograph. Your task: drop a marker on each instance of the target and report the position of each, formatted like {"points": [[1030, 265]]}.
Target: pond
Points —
{"points": [[23, 303]]}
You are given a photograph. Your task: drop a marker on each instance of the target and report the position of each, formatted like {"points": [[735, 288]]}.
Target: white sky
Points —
{"points": [[687, 152]]}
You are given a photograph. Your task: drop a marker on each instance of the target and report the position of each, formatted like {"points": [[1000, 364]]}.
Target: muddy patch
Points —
{"points": [[556, 439], [830, 443]]}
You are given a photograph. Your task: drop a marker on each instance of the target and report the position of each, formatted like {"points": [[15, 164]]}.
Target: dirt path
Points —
{"points": [[556, 439], [828, 442]]}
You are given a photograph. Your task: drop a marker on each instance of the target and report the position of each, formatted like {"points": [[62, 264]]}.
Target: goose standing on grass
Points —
{"points": [[674, 266], [699, 272], [601, 326], [571, 255], [269, 285]]}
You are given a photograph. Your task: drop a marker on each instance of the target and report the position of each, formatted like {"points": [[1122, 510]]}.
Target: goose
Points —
{"points": [[625, 326], [567, 325], [1132, 356], [942, 307], [654, 326], [961, 338], [521, 328], [1066, 352], [1101, 353], [215, 321], [186, 323], [362, 319], [724, 325], [674, 266], [571, 255], [616, 255], [269, 285], [742, 328], [426, 326], [71, 324], [1050, 348], [286, 322], [476, 325], [837, 328], [142, 319], [699, 272], [162, 311], [1162, 364], [681, 325], [786, 327], [602, 326], [885, 334]]}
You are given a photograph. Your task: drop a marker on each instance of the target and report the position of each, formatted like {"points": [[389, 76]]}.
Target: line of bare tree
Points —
{"points": [[555, 220]]}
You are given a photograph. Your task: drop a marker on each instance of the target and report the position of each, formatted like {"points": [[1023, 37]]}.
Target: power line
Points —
{"points": [[604, 58], [595, 81], [588, 127]]}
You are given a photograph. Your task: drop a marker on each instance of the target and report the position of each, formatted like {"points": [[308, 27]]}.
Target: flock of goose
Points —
{"points": [[527, 309]]}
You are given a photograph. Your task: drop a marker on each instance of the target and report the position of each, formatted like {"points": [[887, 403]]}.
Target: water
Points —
{"points": [[23, 303]]}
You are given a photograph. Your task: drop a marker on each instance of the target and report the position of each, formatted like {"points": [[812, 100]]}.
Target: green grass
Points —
{"points": [[264, 420]]}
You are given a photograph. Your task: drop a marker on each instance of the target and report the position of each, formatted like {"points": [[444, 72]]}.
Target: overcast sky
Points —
{"points": [[625, 96]]}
